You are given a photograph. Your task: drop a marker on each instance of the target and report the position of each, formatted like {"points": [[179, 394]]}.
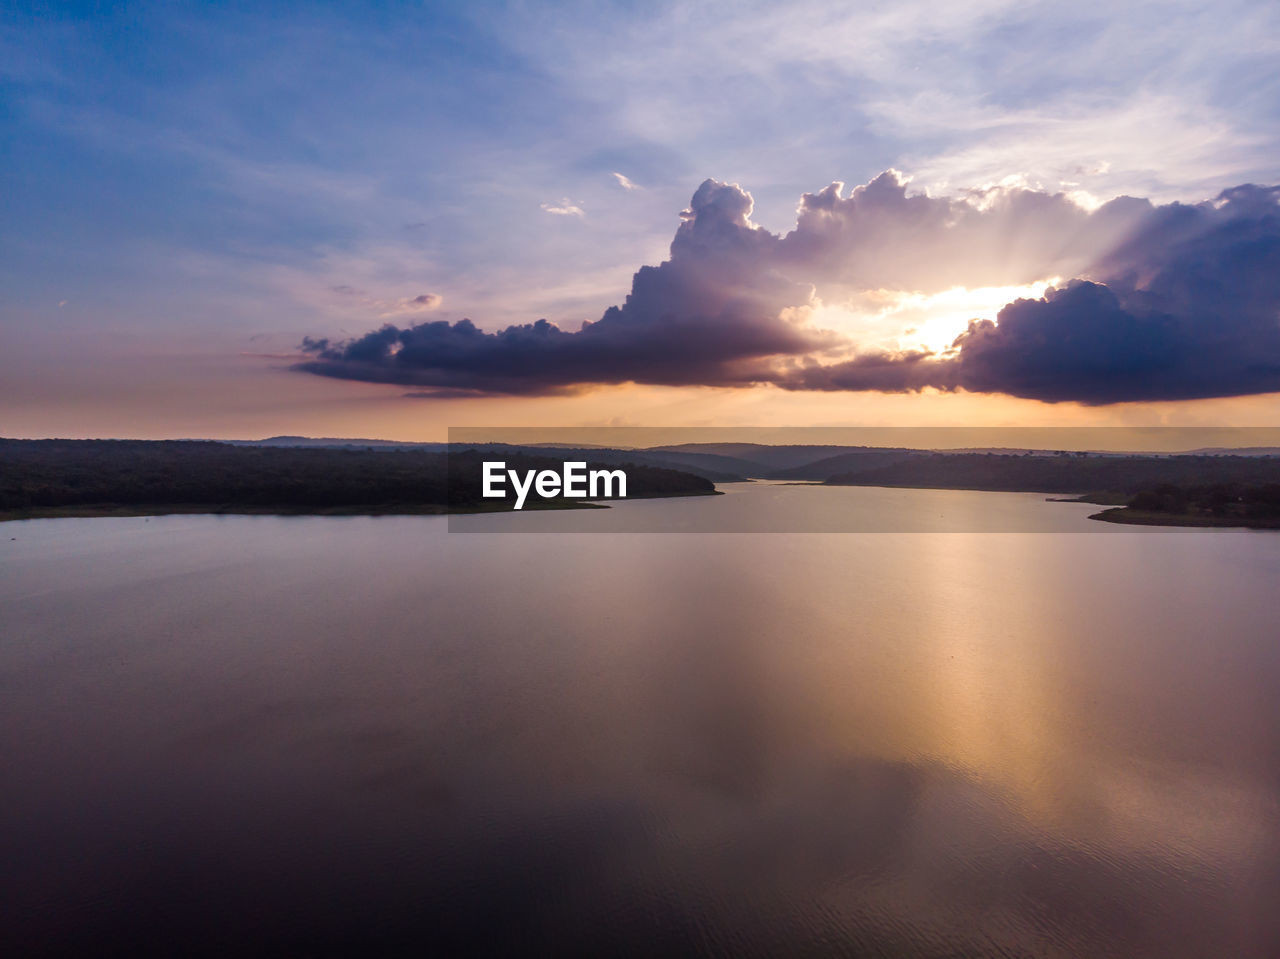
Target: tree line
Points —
{"points": [[37, 474]]}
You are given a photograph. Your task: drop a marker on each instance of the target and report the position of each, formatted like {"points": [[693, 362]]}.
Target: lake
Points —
{"points": [[988, 726]]}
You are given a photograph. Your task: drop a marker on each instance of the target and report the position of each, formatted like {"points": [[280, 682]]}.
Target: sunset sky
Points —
{"points": [[348, 220]]}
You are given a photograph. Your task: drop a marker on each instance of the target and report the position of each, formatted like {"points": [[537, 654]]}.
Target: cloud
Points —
{"points": [[421, 303], [1186, 307], [446, 393], [882, 237], [565, 207], [625, 182], [1178, 301], [384, 307], [712, 314]]}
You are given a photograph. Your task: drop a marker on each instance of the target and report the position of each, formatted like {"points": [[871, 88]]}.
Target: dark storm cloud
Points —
{"points": [[1189, 308], [1168, 302], [710, 315]]}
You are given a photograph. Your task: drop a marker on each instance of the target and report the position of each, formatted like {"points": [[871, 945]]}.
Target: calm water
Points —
{"points": [[371, 735]]}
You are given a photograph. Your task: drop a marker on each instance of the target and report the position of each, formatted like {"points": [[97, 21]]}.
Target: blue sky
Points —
{"points": [[198, 182]]}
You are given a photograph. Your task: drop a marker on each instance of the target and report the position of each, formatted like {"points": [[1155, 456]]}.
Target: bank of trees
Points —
{"points": [[38, 474], [1081, 474], [1224, 500]]}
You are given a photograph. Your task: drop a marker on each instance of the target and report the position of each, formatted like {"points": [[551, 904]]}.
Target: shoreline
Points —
{"points": [[1116, 514], [1123, 515], [120, 511]]}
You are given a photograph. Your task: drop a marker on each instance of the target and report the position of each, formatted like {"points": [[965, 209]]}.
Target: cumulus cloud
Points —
{"points": [[1177, 301], [565, 207], [712, 314], [883, 237], [1186, 306]]}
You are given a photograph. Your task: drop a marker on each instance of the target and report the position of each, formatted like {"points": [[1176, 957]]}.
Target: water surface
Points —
{"points": [[371, 735]]}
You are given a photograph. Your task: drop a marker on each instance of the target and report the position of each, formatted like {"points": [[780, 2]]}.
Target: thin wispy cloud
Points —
{"points": [[625, 181], [386, 306], [422, 303], [565, 207]]}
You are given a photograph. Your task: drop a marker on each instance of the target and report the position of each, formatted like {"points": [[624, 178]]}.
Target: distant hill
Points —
{"points": [[729, 465], [1078, 473], [1242, 451], [707, 469], [766, 459], [853, 461], [334, 443]]}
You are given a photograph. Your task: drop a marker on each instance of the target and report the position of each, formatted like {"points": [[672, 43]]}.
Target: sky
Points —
{"points": [[242, 220]]}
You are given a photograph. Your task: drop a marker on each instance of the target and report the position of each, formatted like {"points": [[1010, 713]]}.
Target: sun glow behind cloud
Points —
{"points": [[895, 320]]}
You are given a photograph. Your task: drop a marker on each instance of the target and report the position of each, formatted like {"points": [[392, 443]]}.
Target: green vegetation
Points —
{"points": [[137, 477], [1093, 474], [1219, 504], [1180, 490]]}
